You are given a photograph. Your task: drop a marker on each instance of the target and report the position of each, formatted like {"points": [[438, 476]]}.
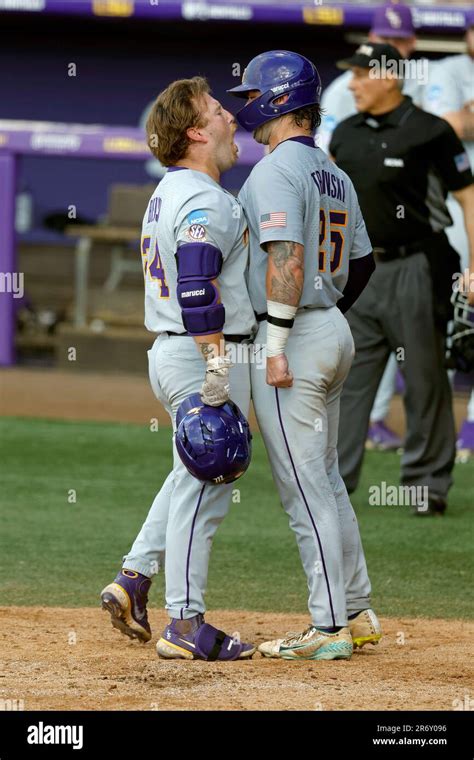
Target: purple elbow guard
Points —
{"points": [[198, 264]]}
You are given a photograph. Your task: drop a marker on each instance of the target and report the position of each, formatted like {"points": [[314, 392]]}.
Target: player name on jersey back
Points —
{"points": [[329, 184]]}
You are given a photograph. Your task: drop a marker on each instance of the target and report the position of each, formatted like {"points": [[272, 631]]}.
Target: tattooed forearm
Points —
{"points": [[207, 350], [285, 272]]}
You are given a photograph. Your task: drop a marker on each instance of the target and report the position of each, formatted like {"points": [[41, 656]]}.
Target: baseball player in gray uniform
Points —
{"points": [[309, 251], [194, 249]]}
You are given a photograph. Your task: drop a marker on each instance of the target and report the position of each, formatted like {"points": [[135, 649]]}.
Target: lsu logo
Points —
{"points": [[393, 18]]}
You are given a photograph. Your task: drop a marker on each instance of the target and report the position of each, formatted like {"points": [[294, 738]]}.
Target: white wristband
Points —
{"points": [[277, 336]]}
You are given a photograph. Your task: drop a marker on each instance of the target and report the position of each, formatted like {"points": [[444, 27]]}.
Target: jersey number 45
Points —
{"points": [[335, 250]]}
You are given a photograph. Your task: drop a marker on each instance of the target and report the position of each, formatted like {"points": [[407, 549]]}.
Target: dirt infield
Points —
{"points": [[57, 658], [72, 659]]}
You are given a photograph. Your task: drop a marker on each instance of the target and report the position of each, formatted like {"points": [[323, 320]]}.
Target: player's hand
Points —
{"points": [[216, 387], [279, 374]]}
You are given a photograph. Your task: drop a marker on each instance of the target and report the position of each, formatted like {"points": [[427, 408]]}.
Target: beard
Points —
{"points": [[227, 160], [263, 133]]}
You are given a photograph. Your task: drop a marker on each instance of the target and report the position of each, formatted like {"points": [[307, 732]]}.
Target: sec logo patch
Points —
{"points": [[196, 232]]}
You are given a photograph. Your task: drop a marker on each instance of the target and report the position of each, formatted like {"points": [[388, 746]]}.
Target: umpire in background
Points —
{"points": [[402, 161]]}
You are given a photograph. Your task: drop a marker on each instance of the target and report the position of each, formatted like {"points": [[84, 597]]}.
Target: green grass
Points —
{"points": [[53, 552]]}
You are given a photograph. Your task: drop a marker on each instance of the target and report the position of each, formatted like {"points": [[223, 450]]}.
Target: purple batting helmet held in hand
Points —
{"points": [[213, 442], [276, 73]]}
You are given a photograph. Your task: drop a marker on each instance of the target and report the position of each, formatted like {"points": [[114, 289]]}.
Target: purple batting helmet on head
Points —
{"points": [[213, 442], [276, 73]]}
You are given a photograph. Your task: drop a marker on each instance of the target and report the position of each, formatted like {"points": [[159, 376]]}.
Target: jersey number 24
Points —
{"points": [[335, 249], [155, 270]]}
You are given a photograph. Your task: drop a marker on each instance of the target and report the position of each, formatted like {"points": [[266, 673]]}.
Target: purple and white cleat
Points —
{"points": [[126, 600], [465, 442], [193, 639], [382, 438]]}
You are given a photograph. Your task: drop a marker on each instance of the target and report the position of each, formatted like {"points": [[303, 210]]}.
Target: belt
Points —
{"points": [[227, 337], [403, 251]]}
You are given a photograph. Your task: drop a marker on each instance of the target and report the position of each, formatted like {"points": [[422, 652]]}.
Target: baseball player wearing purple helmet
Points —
{"points": [[309, 254]]}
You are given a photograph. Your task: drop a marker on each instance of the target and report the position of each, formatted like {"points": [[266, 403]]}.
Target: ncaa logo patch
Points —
{"points": [[196, 232], [198, 217]]}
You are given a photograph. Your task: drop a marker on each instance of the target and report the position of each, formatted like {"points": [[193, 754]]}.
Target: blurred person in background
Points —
{"points": [[450, 94], [402, 161], [392, 23]]}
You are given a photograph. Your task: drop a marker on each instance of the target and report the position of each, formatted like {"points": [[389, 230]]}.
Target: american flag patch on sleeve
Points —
{"points": [[273, 219]]}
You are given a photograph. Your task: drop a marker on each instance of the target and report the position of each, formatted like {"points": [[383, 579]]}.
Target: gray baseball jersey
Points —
{"points": [[451, 86], [296, 193], [189, 206]]}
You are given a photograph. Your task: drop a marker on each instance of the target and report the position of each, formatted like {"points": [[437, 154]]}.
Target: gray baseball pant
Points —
{"points": [[185, 513], [300, 427]]}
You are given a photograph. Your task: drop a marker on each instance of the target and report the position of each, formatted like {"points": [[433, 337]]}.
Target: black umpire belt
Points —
{"points": [[228, 338], [403, 251]]}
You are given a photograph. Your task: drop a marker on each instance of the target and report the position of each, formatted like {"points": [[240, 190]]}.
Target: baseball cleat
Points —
{"points": [[380, 437], [311, 644], [465, 442], [126, 600], [365, 628], [193, 639]]}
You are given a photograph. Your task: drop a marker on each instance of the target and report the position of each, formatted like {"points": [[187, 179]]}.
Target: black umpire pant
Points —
{"points": [[395, 313]]}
